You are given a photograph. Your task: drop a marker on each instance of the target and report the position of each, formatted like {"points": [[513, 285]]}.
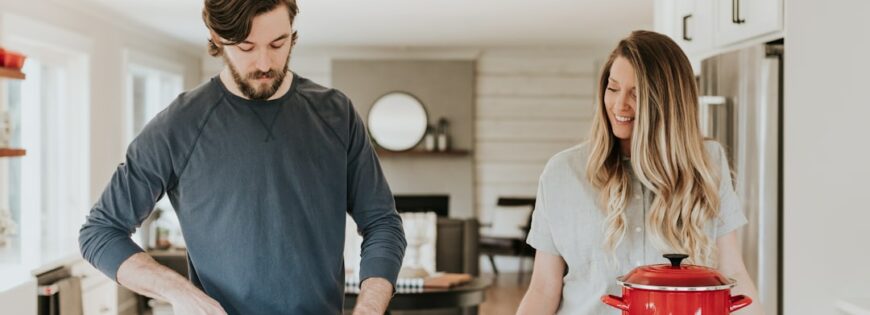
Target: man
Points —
{"points": [[261, 166]]}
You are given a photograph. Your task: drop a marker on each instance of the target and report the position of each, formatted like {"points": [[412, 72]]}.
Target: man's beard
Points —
{"points": [[264, 91]]}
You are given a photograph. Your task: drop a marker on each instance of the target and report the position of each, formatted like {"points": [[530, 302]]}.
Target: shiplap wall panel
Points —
{"points": [[532, 130], [509, 173], [534, 85], [496, 65], [531, 104], [518, 151], [497, 107]]}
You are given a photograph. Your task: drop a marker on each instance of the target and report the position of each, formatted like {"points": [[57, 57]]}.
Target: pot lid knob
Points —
{"points": [[676, 259]]}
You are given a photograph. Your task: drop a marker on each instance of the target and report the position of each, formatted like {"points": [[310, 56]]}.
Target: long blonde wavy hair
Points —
{"points": [[667, 152]]}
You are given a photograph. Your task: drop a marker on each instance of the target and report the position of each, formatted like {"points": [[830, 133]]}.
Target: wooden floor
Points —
{"points": [[505, 295]]}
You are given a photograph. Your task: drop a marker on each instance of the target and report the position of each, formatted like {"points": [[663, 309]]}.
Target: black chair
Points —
{"points": [[439, 204], [492, 246]]}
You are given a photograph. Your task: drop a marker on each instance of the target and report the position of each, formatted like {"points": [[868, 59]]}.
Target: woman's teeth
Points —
{"points": [[624, 118]]}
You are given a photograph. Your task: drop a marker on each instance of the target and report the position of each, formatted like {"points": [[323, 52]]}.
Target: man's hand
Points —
{"points": [[374, 296], [195, 303]]}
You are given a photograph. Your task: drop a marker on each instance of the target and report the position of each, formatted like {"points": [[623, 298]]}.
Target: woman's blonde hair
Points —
{"points": [[667, 152]]}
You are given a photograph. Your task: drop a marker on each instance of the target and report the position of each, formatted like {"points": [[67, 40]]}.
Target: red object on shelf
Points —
{"points": [[2, 56], [14, 60], [676, 289]]}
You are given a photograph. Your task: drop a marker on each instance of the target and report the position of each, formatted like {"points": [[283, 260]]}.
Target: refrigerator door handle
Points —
{"points": [[712, 100], [704, 112]]}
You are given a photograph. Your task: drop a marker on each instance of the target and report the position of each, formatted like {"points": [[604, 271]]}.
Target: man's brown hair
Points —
{"points": [[232, 19]]}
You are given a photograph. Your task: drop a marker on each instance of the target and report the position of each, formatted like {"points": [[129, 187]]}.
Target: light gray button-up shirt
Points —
{"points": [[568, 222]]}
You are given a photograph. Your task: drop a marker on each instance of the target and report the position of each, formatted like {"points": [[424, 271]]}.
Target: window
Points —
{"points": [[46, 191], [150, 89]]}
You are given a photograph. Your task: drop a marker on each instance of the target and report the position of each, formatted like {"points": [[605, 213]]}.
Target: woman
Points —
{"points": [[645, 184]]}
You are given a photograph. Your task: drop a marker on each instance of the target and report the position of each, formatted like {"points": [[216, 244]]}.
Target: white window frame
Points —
{"points": [[157, 72]]}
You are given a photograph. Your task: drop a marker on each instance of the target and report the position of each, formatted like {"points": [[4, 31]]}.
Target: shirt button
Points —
{"points": [[637, 197], [638, 229]]}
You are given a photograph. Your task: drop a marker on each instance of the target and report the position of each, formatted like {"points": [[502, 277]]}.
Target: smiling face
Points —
{"points": [[259, 63], [620, 99]]}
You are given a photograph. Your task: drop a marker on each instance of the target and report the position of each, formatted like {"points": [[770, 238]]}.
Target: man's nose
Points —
{"points": [[263, 61]]}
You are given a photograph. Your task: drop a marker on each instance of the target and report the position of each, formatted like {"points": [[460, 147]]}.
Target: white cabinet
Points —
{"points": [[101, 300], [706, 27], [90, 276], [101, 295], [739, 20], [693, 23]]}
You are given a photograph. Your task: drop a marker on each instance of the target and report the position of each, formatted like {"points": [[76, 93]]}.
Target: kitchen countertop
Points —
{"points": [[14, 275], [854, 306], [56, 263]]}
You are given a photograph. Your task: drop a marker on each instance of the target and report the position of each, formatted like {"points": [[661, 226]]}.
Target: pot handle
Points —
{"points": [[615, 301], [739, 301]]}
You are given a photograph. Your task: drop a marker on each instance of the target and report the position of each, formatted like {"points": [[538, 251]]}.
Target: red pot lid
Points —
{"points": [[676, 277]]}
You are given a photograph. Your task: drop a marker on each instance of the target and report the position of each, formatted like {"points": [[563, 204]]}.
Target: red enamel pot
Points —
{"points": [[676, 289]]}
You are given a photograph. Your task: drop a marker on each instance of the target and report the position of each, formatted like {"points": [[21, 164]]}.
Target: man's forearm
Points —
{"points": [[145, 276], [374, 296]]}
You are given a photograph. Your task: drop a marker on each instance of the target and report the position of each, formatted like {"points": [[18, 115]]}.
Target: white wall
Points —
{"points": [[827, 149], [110, 36]]}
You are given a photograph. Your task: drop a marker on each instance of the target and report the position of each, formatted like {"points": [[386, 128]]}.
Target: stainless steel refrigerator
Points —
{"points": [[741, 107]]}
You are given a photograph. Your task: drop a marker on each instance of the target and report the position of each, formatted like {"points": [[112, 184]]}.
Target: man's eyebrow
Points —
{"points": [[281, 37], [274, 40]]}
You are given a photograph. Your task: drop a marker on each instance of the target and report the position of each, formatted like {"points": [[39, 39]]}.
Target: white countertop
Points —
{"points": [[55, 263], [13, 275], [854, 306]]}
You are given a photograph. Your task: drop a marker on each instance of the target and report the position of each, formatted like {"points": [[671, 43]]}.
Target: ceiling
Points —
{"points": [[420, 23]]}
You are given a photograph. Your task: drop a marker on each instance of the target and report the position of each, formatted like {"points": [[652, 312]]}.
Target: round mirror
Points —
{"points": [[398, 121]]}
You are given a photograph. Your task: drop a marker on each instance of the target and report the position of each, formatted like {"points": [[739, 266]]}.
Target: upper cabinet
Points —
{"points": [[693, 29], [706, 27], [739, 20]]}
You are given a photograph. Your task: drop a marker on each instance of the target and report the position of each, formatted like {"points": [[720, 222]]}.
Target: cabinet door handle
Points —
{"points": [[735, 12], [686, 27]]}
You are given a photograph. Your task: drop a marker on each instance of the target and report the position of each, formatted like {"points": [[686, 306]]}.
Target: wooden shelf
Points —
{"points": [[12, 73], [10, 152], [420, 153]]}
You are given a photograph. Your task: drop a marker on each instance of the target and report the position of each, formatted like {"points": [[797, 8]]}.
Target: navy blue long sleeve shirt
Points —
{"points": [[261, 189]]}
